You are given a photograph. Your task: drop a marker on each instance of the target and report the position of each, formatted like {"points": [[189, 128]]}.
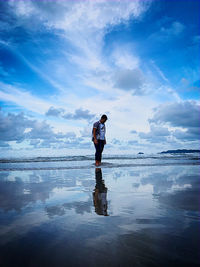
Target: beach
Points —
{"points": [[135, 210]]}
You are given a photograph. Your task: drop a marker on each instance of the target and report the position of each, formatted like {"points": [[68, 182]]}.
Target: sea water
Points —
{"points": [[135, 210]]}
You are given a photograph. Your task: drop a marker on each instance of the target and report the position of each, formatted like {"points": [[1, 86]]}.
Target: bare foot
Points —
{"points": [[97, 163]]}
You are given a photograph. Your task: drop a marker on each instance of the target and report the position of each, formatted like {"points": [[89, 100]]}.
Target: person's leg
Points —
{"points": [[98, 152], [101, 148]]}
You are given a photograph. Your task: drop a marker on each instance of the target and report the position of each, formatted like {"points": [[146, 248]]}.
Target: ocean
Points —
{"points": [[133, 210], [87, 162]]}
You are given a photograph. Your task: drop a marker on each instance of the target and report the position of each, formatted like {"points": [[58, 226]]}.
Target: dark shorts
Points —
{"points": [[99, 149]]}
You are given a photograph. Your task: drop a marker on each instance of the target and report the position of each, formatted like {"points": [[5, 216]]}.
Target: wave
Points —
{"points": [[104, 165], [45, 159], [193, 156]]}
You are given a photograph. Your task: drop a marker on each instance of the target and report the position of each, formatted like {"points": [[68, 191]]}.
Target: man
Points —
{"points": [[98, 132]]}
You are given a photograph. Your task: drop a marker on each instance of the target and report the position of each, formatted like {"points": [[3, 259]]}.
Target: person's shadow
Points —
{"points": [[100, 194]]}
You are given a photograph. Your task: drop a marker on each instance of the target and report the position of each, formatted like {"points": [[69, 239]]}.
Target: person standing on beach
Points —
{"points": [[98, 137]]}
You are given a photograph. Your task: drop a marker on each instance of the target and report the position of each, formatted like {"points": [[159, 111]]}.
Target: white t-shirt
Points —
{"points": [[102, 131]]}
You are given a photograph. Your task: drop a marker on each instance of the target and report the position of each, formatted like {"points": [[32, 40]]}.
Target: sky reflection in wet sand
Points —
{"points": [[141, 216]]}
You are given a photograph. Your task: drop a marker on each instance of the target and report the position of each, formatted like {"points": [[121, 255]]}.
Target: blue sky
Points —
{"points": [[65, 63]]}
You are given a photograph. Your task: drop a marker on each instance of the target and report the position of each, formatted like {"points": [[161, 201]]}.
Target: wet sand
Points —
{"points": [[135, 216]]}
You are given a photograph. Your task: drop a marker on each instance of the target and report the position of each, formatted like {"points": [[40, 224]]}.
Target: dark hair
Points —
{"points": [[104, 117]]}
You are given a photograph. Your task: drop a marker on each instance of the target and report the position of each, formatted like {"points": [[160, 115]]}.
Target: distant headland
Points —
{"points": [[180, 151]]}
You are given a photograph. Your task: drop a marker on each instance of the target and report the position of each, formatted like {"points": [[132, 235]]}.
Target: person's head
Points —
{"points": [[103, 118]]}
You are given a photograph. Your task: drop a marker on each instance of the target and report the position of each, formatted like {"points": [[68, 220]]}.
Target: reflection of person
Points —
{"points": [[100, 194], [98, 137]]}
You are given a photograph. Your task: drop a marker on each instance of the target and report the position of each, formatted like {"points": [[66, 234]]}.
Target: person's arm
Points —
{"points": [[105, 137], [94, 134]]}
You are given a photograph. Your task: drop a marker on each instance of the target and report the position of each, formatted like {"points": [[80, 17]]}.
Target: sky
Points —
{"points": [[65, 63]]}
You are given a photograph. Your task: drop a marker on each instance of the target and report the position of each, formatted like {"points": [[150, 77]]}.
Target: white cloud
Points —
{"points": [[21, 129], [78, 15], [23, 98], [160, 72], [156, 134], [130, 80], [123, 57], [54, 112], [175, 29], [79, 114], [168, 33], [174, 122], [23, 8], [83, 23], [183, 114]]}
